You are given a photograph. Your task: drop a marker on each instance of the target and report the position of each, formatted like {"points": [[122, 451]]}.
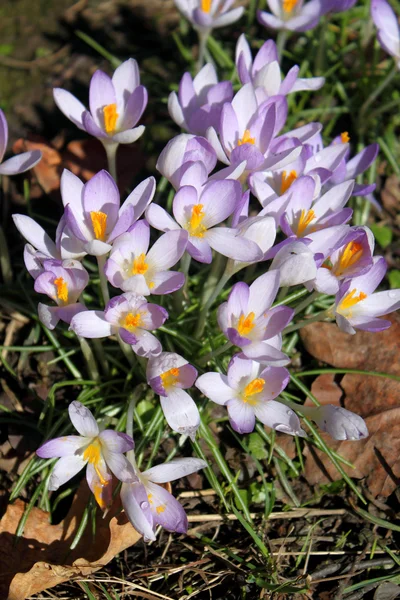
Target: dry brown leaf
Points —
{"points": [[377, 399], [49, 169], [326, 390], [41, 558], [391, 195]]}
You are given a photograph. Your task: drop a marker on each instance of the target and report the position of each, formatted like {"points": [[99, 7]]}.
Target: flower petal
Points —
{"points": [[62, 446], [72, 108], [180, 411], [137, 508], [215, 386], [64, 469], [91, 324], [174, 469], [20, 163], [83, 420], [241, 416], [115, 441]]}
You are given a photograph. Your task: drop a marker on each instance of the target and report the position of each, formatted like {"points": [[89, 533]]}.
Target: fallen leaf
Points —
{"points": [[48, 170], [391, 195], [326, 390], [376, 399], [41, 558]]}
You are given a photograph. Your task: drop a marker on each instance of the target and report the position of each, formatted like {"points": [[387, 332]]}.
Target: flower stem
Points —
{"points": [[101, 261], [204, 360], [203, 37], [90, 359], [127, 351], [138, 391], [321, 316], [212, 288], [179, 296], [111, 151], [281, 42]]}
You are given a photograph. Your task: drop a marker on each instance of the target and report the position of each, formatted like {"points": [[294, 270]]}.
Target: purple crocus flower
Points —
{"points": [[250, 323], [102, 453], [295, 262], [247, 131], [351, 258], [199, 101], [179, 155], [132, 267], [169, 375], [350, 168], [116, 105], [93, 213], [40, 246], [265, 72], [341, 5], [248, 391], [148, 504], [206, 15], [20, 162], [198, 213], [63, 281], [387, 24], [294, 15], [357, 307], [129, 316], [341, 424]]}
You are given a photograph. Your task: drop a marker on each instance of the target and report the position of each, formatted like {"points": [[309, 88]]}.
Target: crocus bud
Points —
{"points": [[341, 424]]}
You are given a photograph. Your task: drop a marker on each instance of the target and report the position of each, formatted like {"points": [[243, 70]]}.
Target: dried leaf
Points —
{"points": [[326, 390], [49, 169], [41, 558], [377, 399]]}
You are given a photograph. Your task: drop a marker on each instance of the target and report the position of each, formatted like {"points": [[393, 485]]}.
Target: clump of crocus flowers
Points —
{"points": [[237, 152]]}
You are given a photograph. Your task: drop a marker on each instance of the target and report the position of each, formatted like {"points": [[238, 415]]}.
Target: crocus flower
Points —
{"points": [[248, 391], [134, 268], [342, 5], [148, 504], [250, 323], [293, 15], [341, 424], [179, 155], [351, 168], [93, 213], [116, 105], [198, 212], [199, 101], [40, 246], [295, 262], [357, 307], [387, 24], [101, 452], [206, 15], [351, 258], [169, 375], [265, 72], [20, 162], [129, 316], [63, 282]]}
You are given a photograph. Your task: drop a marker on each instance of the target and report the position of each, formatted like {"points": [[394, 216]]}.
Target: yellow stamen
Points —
{"points": [[246, 324], [195, 226], [160, 509], [351, 300], [61, 289], [351, 254], [246, 139], [287, 180], [305, 220], [99, 224], [150, 498], [98, 492], [289, 5], [206, 5], [140, 265], [254, 387], [131, 321], [93, 455], [110, 118], [345, 137], [169, 378]]}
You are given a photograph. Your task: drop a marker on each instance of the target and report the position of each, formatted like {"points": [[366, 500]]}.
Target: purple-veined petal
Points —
{"points": [[91, 324], [167, 250], [262, 292], [83, 420], [134, 107], [48, 315], [147, 344], [140, 197], [129, 136], [160, 219], [115, 441], [101, 94], [174, 469], [279, 417], [180, 411], [137, 508], [20, 163], [166, 510], [119, 465], [199, 249], [228, 242], [215, 386], [64, 469], [35, 235], [241, 416], [167, 282], [72, 108], [63, 446]]}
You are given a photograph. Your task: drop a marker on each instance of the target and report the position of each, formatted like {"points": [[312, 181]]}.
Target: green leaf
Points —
{"points": [[256, 446], [383, 235], [6, 49], [394, 279]]}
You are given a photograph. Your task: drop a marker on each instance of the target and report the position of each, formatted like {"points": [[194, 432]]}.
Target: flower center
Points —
{"points": [[61, 289], [140, 265], [287, 180], [206, 5], [99, 224], [246, 324], [289, 5], [110, 118], [345, 137], [254, 387], [351, 254], [246, 139], [131, 321], [195, 226], [351, 300], [160, 508], [93, 456], [305, 219], [170, 378]]}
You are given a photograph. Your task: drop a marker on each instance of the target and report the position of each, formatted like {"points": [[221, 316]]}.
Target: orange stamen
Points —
{"points": [[289, 5], [61, 289], [351, 254], [246, 139], [140, 265], [169, 378], [287, 180], [246, 324], [351, 300], [195, 226], [345, 137], [110, 118], [305, 220], [206, 5], [99, 224], [131, 321], [254, 387]]}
